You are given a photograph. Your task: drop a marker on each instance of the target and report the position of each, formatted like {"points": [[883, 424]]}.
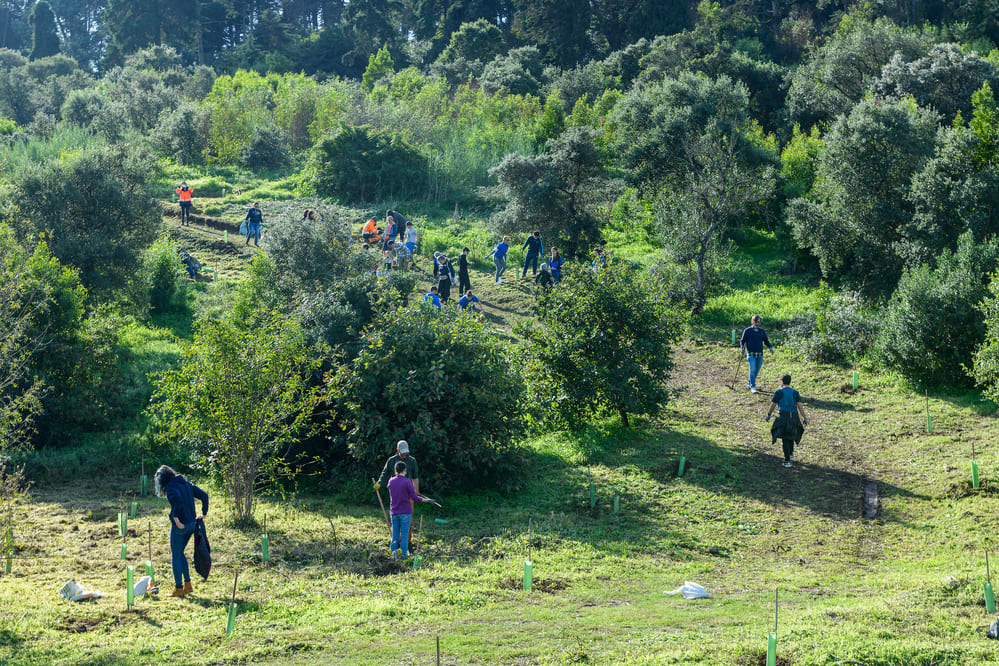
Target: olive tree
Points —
{"points": [[240, 397], [690, 142], [602, 342]]}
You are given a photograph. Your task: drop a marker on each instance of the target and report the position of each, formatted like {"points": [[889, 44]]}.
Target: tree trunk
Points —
{"points": [[624, 417]]}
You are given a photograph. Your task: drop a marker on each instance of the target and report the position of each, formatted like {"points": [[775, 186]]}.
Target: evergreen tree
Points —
{"points": [[45, 39]]}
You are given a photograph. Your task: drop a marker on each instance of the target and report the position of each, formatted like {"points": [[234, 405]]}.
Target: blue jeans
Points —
{"points": [[178, 542], [400, 533], [500, 265], [253, 231], [755, 363], [531, 259]]}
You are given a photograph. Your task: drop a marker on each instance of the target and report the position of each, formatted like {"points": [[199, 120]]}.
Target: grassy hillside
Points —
{"points": [[904, 588]]}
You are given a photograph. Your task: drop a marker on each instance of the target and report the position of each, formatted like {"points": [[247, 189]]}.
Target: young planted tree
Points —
{"points": [[241, 396], [602, 342]]}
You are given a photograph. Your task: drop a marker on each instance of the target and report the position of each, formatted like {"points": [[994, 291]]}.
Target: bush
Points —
{"points": [[933, 325], [602, 343], [358, 164], [268, 149], [840, 331], [440, 381], [162, 270]]}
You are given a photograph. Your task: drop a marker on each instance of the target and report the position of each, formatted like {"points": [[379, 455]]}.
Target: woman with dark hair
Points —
{"points": [[181, 493]]}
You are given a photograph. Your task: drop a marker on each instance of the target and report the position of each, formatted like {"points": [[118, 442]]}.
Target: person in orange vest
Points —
{"points": [[184, 196], [371, 233]]}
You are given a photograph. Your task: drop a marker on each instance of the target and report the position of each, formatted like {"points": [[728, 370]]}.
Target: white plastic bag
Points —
{"points": [[75, 592], [142, 586], [691, 591]]}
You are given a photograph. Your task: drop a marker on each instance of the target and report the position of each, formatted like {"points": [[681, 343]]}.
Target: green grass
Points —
{"points": [[904, 589]]}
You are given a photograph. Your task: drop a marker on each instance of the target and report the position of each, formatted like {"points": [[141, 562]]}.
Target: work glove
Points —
{"points": [[804, 421], [768, 418], [771, 350], [378, 486]]}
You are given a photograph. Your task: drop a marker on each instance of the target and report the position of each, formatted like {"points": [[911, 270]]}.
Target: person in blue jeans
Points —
{"points": [[555, 263], [181, 494], [751, 344], [402, 497], [787, 427], [499, 257], [254, 220], [535, 248]]}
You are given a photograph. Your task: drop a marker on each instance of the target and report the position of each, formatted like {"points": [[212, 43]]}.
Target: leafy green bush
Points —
{"points": [[841, 330], [933, 325], [162, 269], [363, 164], [268, 149], [602, 343], [442, 382]]}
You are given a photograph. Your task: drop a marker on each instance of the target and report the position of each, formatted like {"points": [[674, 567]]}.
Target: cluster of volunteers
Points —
{"points": [[397, 241]]}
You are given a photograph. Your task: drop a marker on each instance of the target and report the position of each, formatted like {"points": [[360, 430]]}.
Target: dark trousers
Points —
{"points": [[464, 284], [185, 213], [444, 289], [788, 448]]}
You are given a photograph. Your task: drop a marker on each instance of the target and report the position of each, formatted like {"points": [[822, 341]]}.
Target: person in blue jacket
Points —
{"points": [[751, 344], [432, 297], [181, 494], [254, 220], [535, 248], [468, 301], [499, 257]]}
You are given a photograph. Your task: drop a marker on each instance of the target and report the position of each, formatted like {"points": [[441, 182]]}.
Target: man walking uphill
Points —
{"points": [[753, 340], [535, 248], [788, 428], [412, 472]]}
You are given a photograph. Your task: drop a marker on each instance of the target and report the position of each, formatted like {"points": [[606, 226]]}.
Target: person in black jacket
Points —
{"points": [[464, 284], [181, 493], [444, 274]]}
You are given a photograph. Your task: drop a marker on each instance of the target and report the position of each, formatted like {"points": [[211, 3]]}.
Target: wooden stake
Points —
{"points": [[988, 576], [439, 643], [530, 536]]}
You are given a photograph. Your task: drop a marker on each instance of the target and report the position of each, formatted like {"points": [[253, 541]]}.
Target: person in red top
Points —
{"points": [[184, 197]]}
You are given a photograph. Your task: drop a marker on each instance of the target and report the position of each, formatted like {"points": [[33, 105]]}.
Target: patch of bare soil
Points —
{"points": [[546, 585]]}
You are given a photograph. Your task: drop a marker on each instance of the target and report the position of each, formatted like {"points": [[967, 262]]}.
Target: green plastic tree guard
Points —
{"points": [[528, 576]]}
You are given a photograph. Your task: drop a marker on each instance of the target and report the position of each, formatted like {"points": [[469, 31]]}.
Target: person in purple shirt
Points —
{"points": [[402, 496]]}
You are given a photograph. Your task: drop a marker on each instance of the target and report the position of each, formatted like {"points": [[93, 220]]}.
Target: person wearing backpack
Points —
{"points": [[181, 494], [787, 426], [535, 248]]}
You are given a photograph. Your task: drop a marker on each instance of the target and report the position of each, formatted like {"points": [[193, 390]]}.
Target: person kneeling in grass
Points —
{"points": [[402, 496]]}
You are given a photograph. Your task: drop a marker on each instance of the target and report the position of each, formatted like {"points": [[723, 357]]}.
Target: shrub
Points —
{"points": [[162, 270], [602, 342], [440, 381], [841, 330], [359, 164], [268, 148], [933, 325]]}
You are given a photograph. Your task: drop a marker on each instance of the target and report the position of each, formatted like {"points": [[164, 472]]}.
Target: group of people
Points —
{"points": [[396, 241], [550, 272], [789, 426]]}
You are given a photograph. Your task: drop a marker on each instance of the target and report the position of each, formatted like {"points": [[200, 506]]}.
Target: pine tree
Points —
{"points": [[45, 39]]}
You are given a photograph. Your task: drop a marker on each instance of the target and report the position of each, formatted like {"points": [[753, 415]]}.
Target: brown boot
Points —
{"points": [[188, 588], [178, 592]]}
